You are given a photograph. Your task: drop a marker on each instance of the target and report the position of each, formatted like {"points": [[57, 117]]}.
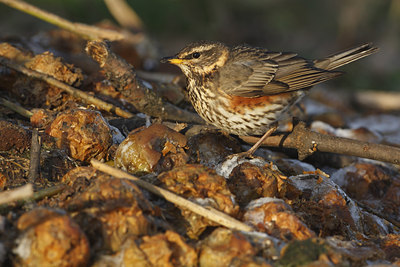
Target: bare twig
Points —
{"points": [[209, 213], [19, 193], [16, 108], [307, 142], [47, 192], [86, 31], [34, 163], [69, 89], [158, 76], [123, 76], [378, 214], [388, 101], [124, 14]]}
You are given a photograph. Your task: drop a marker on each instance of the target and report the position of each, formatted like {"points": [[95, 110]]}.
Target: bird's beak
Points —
{"points": [[172, 60]]}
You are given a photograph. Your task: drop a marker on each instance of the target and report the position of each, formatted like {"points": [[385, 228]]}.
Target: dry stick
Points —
{"points": [[307, 142], [47, 192], [16, 108], [69, 89], [88, 32], [34, 163], [159, 77], [19, 193], [209, 213], [124, 14], [378, 214], [387, 101], [122, 75], [128, 19]]}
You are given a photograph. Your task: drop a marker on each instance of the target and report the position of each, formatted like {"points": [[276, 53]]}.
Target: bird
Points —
{"points": [[245, 90]]}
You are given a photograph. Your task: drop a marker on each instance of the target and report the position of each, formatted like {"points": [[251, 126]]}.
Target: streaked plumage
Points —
{"points": [[243, 90]]}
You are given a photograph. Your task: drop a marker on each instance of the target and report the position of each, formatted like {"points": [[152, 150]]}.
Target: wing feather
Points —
{"points": [[254, 72]]}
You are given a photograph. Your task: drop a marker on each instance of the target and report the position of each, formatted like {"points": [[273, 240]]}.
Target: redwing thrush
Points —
{"points": [[245, 90]]}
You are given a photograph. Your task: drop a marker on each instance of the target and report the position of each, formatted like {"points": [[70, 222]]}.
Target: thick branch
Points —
{"points": [[307, 142], [123, 77]]}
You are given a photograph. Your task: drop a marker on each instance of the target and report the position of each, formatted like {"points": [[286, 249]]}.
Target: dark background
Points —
{"points": [[312, 28]]}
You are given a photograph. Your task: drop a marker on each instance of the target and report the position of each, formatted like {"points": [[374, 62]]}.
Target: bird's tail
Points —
{"points": [[342, 58]]}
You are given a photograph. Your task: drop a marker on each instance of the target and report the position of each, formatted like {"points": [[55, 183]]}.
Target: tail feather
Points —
{"points": [[296, 73], [342, 58]]}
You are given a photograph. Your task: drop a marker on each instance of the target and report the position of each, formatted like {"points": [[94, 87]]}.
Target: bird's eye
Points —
{"points": [[195, 55]]}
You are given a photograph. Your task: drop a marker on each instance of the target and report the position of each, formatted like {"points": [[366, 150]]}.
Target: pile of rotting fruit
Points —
{"points": [[327, 210]]}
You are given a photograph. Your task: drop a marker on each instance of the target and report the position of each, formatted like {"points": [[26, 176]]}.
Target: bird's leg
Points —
{"points": [[253, 149], [262, 139]]}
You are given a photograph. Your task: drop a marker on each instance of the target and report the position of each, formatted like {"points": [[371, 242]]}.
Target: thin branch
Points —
{"points": [[378, 214], [207, 212], [387, 101], [124, 14], [47, 192], [66, 88], [16, 108], [160, 77], [19, 193], [123, 77], [307, 142], [86, 31], [34, 164]]}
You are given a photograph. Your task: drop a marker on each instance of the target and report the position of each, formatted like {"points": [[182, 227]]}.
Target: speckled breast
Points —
{"points": [[241, 115]]}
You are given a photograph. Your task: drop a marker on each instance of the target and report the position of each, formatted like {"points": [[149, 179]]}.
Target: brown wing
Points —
{"points": [[255, 72], [296, 76], [248, 73]]}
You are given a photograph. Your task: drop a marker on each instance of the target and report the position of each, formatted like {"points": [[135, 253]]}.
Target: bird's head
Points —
{"points": [[200, 57]]}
